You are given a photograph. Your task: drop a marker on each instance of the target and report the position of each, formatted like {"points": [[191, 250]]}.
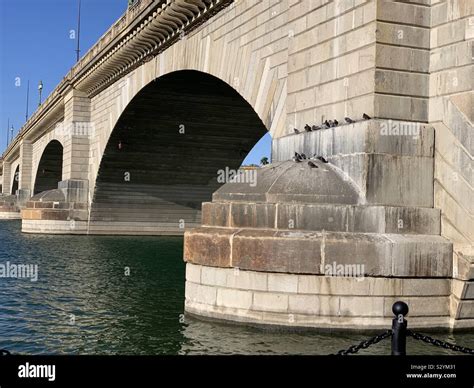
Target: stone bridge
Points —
{"points": [[131, 140]]}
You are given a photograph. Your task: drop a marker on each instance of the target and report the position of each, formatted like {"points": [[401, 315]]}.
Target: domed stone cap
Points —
{"points": [[291, 182], [49, 196]]}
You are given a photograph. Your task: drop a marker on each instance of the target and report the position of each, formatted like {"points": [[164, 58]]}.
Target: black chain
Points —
{"points": [[439, 343], [4, 352], [365, 344]]}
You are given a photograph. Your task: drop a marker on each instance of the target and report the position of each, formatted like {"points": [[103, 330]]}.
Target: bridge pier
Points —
{"points": [[327, 247]]}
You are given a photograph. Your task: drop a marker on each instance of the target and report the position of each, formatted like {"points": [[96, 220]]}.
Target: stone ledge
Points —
{"points": [[273, 251], [10, 214], [361, 137], [316, 284], [308, 321], [318, 217]]}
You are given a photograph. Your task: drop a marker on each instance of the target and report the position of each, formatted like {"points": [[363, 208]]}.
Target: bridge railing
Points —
{"points": [[127, 18]]}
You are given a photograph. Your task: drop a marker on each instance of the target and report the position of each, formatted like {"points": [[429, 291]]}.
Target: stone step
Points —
{"points": [[318, 217], [164, 215], [368, 254]]}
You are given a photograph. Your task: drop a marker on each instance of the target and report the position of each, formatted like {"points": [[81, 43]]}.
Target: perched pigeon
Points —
{"points": [[307, 128], [297, 155], [327, 124], [295, 130], [312, 165], [322, 159], [303, 156], [349, 120], [335, 122], [297, 160], [366, 117], [315, 127]]}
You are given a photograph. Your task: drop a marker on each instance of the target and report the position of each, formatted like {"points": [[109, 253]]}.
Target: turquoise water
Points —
{"points": [[125, 295]]}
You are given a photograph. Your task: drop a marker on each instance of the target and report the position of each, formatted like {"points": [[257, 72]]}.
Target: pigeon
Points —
{"points": [[335, 122], [349, 120], [315, 127], [297, 155], [295, 130], [322, 159], [297, 160], [307, 128], [312, 165], [366, 117], [327, 124], [303, 156]]}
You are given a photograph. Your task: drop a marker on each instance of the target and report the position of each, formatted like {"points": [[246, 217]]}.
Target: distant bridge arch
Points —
{"points": [[50, 168]]}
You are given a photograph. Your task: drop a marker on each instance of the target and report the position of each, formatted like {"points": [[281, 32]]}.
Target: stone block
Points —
{"points": [[193, 273], [234, 298], [208, 246], [200, 293], [215, 214], [247, 280], [266, 301], [274, 251], [214, 276], [287, 283]]}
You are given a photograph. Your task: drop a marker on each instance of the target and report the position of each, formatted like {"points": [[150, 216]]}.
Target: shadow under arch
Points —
{"points": [[16, 178], [50, 168], [163, 155]]}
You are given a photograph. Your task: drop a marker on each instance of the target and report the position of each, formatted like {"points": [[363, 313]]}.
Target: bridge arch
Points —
{"points": [[163, 155], [50, 168], [15, 179]]}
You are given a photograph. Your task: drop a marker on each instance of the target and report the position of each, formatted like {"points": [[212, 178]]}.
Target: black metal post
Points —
{"points": [[399, 329], [78, 49]]}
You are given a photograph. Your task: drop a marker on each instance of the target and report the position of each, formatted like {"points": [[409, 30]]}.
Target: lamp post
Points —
{"points": [[8, 127], [78, 49], [40, 89], [27, 98], [11, 133]]}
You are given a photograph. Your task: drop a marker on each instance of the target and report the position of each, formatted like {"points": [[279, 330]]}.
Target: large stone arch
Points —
{"points": [[49, 170], [162, 158], [258, 79]]}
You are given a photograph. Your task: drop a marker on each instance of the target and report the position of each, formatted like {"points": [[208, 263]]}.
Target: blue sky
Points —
{"points": [[35, 45]]}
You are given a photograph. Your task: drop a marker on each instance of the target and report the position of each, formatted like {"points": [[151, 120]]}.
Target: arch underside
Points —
{"points": [[163, 156], [50, 168]]}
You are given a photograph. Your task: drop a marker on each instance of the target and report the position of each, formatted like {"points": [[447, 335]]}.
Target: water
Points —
{"points": [[83, 303]]}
